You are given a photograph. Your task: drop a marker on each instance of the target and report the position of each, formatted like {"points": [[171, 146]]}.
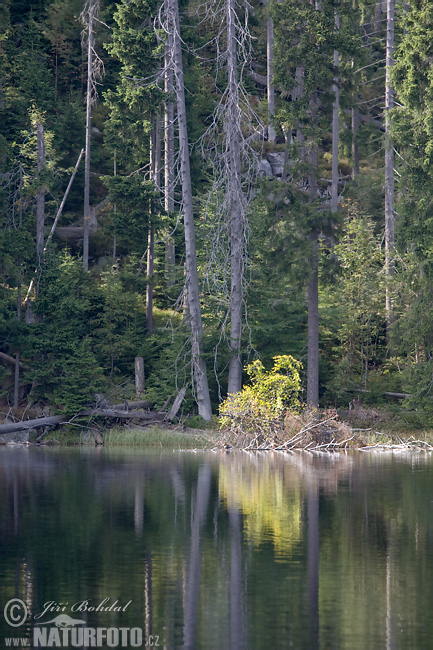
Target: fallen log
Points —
{"points": [[53, 420], [129, 406], [117, 413], [11, 427]]}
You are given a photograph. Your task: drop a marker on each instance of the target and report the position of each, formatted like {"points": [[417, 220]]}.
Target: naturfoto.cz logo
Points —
{"points": [[68, 632]]}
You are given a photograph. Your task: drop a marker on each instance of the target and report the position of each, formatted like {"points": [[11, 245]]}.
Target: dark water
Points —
{"points": [[221, 551]]}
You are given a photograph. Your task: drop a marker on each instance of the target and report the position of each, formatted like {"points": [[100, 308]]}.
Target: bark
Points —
{"points": [[155, 164], [236, 225], [115, 209], [176, 405], [40, 199], [270, 74], [169, 162], [11, 427], [335, 129], [17, 352], [149, 273], [313, 332], [139, 375], [88, 131], [355, 148], [389, 161], [199, 365], [313, 284]]}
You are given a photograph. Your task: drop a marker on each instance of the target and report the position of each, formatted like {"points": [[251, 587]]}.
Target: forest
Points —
{"points": [[201, 185]]}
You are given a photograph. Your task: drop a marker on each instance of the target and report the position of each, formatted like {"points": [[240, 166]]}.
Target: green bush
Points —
{"points": [[261, 405]]}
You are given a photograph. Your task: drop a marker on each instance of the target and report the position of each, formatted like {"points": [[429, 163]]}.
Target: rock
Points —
{"points": [[265, 169], [276, 162]]}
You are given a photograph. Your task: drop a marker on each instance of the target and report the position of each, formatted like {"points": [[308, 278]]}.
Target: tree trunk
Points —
{"points": [[355, 148], [40, 199], [169, 162], [17, 352], [139, 376], [235, 197], [198, 363], [313, 331], [149, 273], [389, 161], [88, 131], [313, 284], [335, 129], [270, 74], [155, 164]]}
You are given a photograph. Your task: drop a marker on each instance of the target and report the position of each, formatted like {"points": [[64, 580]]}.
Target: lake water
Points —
{"points": [[213, 550]]}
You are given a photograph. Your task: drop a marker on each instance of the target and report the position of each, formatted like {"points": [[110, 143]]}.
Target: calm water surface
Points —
{"points": [[222, 551]]}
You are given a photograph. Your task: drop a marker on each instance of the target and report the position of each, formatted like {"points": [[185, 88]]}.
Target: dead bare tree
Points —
{"points": [[227, 148], [170, 23], [94, 72], [169, 158], [40, 198], [389, 159]]}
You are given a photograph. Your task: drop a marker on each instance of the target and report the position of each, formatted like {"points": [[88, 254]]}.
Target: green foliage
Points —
{"points": [[266, 399], [58, 346], [359, 303]]}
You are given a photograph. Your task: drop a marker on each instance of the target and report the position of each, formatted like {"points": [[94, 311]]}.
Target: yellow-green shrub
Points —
{"points": [[260, 406]]}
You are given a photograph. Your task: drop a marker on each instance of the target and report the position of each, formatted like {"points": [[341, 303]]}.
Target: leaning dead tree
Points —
{"points": [[227, 148], [170, 23]]}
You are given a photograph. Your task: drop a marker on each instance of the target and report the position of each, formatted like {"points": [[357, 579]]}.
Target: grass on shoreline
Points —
{"points": [[359, 428], [157, 437]]}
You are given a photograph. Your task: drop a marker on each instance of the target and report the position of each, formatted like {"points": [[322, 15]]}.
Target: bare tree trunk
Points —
{"points": [[88, 131], [169, 162], [139, 376], [155, 164], [17, 352], [198, 363], [355, 148], [236, 221], [270, 74], [389, 160], [335, 128], [149, 273], [40, 199], [313, 331], [115, 209], [313, 284]]}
